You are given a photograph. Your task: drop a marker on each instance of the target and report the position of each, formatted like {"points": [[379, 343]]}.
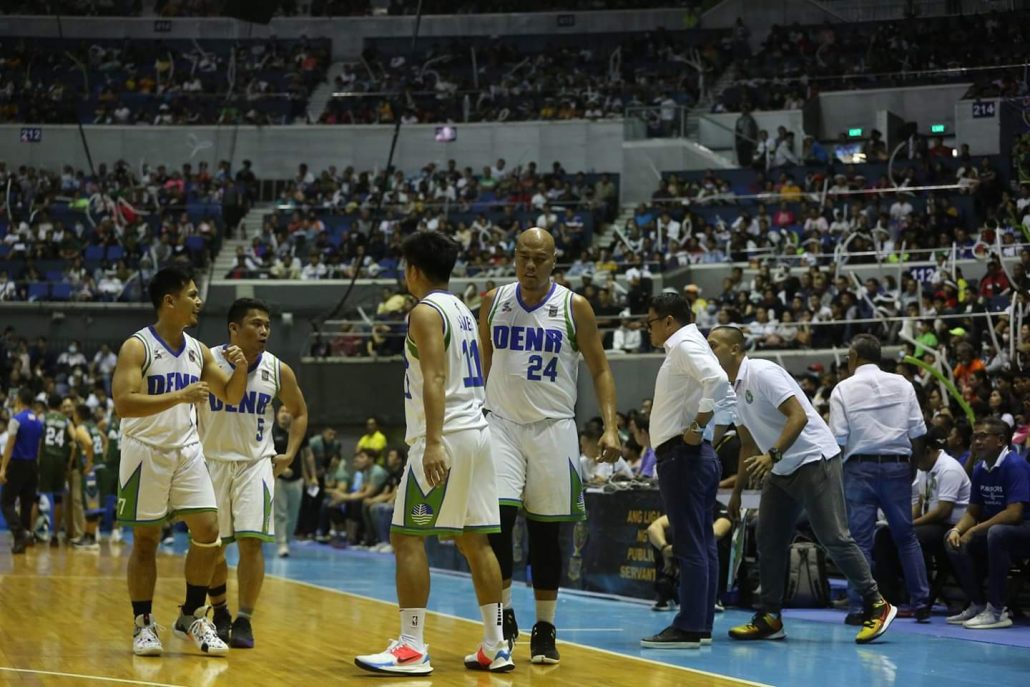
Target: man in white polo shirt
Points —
{"points": [[786, 443], [876, 419], [689, 388]]}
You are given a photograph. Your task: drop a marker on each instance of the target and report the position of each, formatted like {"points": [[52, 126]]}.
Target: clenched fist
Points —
{"points": [[197, 392], [234, 355]]}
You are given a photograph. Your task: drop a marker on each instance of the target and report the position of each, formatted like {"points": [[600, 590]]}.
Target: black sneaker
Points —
{"points": [[673, 638], [922, 614], [510, 626], [242, 634], [223, 624], [856, 618], [541, 644], [663, 605], [19, 545], [706, 638]]}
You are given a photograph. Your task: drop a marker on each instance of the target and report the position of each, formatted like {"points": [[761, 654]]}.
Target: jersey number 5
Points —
{"points": [[534, 372], [261, 429]]}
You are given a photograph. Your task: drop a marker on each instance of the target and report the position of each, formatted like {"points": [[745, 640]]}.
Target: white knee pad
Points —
{"points": [[210, 545]]}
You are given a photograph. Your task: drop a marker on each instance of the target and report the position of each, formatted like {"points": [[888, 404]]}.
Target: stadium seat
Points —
{"points": [[39, 291], [60, 291]]}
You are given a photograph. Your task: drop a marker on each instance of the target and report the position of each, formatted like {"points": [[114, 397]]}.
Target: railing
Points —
{"points": [[348, 338]]}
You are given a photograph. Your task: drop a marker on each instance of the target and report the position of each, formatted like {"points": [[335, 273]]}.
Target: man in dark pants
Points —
{"points": [[786, 443], [876, 419], [689, 385], [940, 496], [745, 133], [18, 472]]}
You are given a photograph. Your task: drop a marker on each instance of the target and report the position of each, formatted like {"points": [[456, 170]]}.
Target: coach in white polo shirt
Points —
{"points": [[876, 419], [689, 386], [786, 443]]}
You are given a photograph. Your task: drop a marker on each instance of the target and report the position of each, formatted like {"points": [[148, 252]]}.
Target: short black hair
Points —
{"points": [[54, 401], [642, 422], [169, 281], [867, 347], [25, 396], [997, 426], [674, 305], [241, 306], [735, 334], [82, 410], [936, 437], [433, 253]]}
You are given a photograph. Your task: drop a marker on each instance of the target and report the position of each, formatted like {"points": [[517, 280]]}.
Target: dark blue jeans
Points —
{"points": [[688, 477], [888, 487], [990, 554]]}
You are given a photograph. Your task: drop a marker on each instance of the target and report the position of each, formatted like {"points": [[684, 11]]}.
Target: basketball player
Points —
{"points": [[243, 462], [161, 373], [89, 441], [449, 487], [533, 332], [54, 460]]}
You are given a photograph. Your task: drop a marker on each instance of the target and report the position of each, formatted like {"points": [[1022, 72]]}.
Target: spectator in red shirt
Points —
{"points": [[967, 365], [995, 282]]}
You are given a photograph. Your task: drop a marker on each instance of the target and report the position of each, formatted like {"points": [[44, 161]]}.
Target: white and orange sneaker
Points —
{"points": [[496, 658], [399, 658]]}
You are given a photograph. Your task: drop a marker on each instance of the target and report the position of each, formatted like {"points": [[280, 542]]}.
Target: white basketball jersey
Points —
{"points": [[242, 432], [463, 391], [535, 362], [164, 371]]}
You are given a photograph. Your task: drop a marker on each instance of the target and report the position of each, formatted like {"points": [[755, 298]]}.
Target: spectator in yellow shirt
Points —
{"points": [[372, 440]]}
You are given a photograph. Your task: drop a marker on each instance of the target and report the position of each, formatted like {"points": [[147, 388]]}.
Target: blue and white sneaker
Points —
{"points": [[496, 658], [398, 658]]}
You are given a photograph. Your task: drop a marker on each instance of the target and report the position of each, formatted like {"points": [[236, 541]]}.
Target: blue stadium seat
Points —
{"points": [[195, 244], [60, 291], [115, 253], [54, 275], [94, 253], [39, 291]]}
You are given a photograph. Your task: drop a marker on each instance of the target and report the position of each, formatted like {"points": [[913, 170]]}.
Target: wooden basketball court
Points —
{"points": [[66, 620]]}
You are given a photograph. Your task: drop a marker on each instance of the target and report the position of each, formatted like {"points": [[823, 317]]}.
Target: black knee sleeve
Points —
{"points": [[545, 553], [216, 591], [502, 543]]}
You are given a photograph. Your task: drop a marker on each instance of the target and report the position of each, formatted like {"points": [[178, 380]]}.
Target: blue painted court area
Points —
{"points": [[819, 650]]}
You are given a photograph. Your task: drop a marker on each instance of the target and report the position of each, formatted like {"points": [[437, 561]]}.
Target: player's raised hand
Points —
{"points": [[197, 392], [234, 354]]}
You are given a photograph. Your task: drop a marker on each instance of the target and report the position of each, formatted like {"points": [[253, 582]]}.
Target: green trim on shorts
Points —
{"points": [[574, 517], [430, 531], [483, 529], [177, 513], [263, 536], [143, 523], [511, 502]]}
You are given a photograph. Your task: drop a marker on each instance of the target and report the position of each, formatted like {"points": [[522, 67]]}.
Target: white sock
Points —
{"points": [[545, 610], [413, 621], [493, 633], [506, 597]]}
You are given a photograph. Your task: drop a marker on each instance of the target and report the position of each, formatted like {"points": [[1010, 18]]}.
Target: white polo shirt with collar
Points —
{"points": [[873, 412], [761, 387], [690, 381]]}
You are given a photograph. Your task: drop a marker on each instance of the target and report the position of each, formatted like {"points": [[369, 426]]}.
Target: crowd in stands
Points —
{"points": [[798, 62], [529, 77], [347, 223], [810, 209], [138, 82], [99, 235]]}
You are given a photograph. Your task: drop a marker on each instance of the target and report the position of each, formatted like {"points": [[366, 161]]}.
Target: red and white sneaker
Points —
{"points": [[496, 659], [399, 658]]}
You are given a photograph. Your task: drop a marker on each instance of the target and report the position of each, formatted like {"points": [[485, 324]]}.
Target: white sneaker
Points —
{"points": [[496, 658], [284, 551], [203, 633], [990, 618], [386, 548], [116, 535], [972, 610], [399, 658], [145, 641]]}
